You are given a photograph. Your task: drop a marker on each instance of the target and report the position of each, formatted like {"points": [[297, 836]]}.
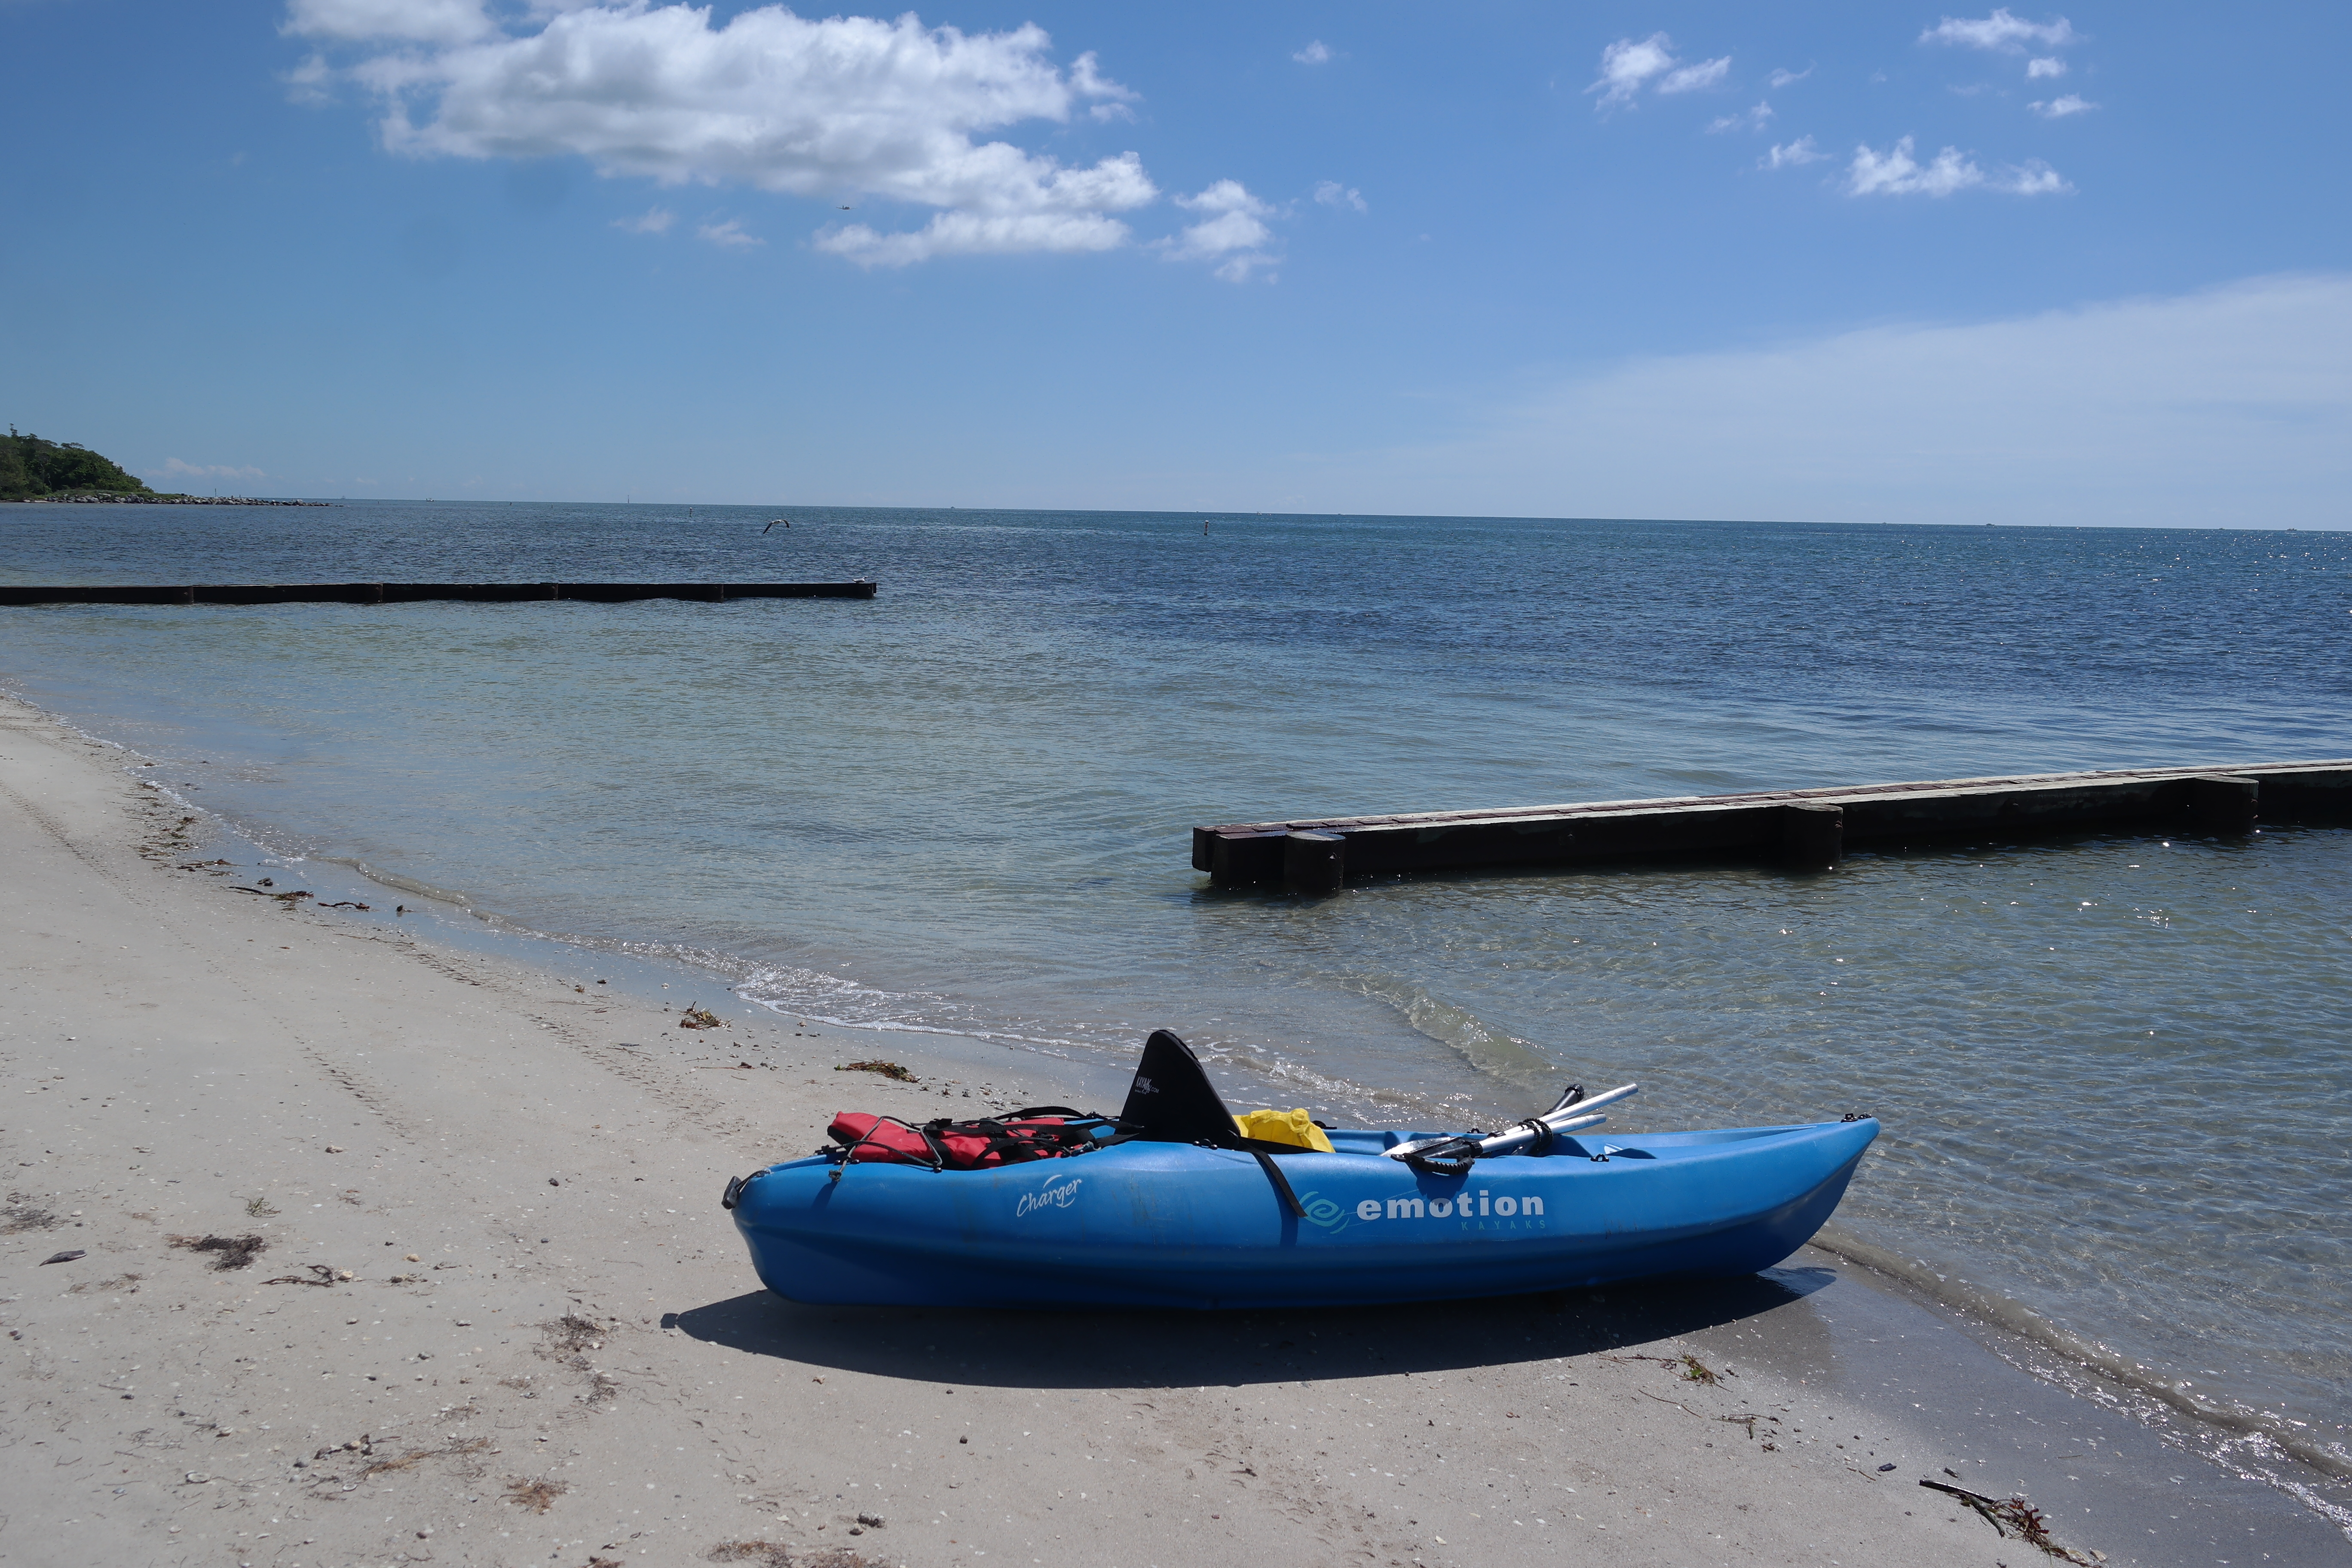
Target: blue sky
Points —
{"points": [[1855, 262]]}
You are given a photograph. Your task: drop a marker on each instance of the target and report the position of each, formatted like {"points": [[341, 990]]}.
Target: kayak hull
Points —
{"points": [[1171, 1225]]}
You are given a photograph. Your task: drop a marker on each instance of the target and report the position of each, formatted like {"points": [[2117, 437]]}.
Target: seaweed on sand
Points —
{"points": [[459, 1447], [319, 1275], [2013, 1516], [887, 1070], [776, 1554], [536, 1496], [571, 1333], [24, 1214], [234, 1251]]}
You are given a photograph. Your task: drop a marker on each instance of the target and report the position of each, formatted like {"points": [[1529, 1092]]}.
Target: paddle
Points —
{"points": [[1450, 1155]]}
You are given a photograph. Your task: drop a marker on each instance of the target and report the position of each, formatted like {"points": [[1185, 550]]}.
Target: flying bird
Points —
{"points": [[771, 528]]}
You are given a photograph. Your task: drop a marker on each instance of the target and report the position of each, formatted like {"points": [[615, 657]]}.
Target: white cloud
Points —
{"points": [[1691, 79], [975, 234], [394, 21], [1898, 173], [2034, 178], [1783, 78], [1314, 54], [819, 109], [2002, 33], [2231, 407], [728, 235], [1795, 154], [1626, 64], [1755, 119], [1332, 193], [2050, 67], [653, 220], [174, 469], [1087, 79], [307, 83], [1234, 231], [2060, 108]]}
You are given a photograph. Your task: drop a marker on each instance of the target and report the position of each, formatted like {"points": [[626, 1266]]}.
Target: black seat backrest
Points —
{"points": [[1171, 1099]]}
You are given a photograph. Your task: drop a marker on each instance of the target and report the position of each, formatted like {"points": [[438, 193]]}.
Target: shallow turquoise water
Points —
{"points": [[2113, 1072]]}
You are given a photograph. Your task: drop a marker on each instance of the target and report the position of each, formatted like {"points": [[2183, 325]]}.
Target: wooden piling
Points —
{"points": [[1314, 862], [1808, 828], [1813, 835], [2223, 805]]}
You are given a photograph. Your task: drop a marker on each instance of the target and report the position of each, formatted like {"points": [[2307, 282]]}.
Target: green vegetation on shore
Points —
{"points": [[32, 467]]}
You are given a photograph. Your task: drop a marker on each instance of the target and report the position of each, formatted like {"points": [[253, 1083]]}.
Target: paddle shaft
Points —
{"points": [[1563, 1118]]}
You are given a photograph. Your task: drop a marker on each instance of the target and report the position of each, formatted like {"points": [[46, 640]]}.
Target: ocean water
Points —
{"points": [[2113, 1072]]}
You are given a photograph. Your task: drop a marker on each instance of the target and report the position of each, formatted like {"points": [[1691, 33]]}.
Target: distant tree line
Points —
{"points": [[32, 467]]}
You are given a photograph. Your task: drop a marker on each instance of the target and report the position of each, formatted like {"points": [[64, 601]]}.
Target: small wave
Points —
{"points": [[382, 878], [1278, 1073], [849, 1005], [832, 999], [1506, 1057]]}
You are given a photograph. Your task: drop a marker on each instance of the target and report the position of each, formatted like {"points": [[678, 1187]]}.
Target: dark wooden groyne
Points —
{"points": [[415, 593], [1807, 830]]}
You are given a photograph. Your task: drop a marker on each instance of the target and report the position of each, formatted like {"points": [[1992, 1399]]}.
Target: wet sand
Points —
{"points": [[500, 1317]]}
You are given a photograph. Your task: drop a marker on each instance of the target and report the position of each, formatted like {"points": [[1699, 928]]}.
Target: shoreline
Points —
{"points": [[354, 1095], [2093, 1362]]}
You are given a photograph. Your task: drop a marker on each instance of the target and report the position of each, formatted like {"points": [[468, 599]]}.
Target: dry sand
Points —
{"points": [[498, 1316]]}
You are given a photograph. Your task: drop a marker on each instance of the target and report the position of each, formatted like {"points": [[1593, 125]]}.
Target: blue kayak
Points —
{"points": [[1152, 1221]]}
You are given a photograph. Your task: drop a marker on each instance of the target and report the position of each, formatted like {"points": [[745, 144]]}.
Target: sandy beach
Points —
{"points": [[379, 1249]]}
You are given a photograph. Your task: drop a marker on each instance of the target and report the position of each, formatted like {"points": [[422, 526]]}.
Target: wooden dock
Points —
{"points": [[1805, 830], [415, 593]]}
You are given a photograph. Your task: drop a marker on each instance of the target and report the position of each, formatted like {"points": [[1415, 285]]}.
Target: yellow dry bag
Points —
{"points": [[1292, 1127]]}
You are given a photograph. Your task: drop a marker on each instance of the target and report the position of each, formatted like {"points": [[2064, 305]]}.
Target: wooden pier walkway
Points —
{"points": [[1806, 829], [413, 593]]}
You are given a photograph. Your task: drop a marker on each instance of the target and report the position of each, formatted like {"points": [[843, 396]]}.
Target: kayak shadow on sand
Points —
{"points": [[1105, 1349]]}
